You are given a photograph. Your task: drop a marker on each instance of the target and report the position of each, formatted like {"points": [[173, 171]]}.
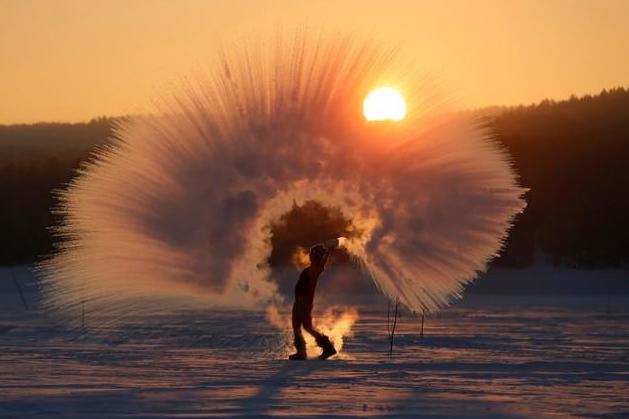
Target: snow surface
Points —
{"points": [[488, 356]]}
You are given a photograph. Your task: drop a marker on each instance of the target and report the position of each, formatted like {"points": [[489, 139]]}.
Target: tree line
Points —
{"points": [[573, 155]]}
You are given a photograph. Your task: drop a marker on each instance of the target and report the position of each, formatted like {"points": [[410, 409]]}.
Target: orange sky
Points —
{"points": [[73, 60]]}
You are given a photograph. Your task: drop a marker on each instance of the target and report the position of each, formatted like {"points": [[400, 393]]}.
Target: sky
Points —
{"points": [[72, 60]]}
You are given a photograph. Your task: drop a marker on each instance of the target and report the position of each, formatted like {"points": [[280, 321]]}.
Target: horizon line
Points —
{"points": [[467, 109]]}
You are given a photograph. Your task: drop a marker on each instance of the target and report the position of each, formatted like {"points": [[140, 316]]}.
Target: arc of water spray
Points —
{"points": [[179, 205]]}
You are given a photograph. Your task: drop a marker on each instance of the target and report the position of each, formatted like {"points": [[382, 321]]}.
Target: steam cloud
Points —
{"points": [[179, 205], [335, 322]]}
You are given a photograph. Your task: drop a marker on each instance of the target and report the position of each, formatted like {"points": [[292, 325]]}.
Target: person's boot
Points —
{"points": [[326, 345], [300, 346]]}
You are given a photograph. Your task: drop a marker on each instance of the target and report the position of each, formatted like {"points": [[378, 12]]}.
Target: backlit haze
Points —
{"points": [[73, 60]]}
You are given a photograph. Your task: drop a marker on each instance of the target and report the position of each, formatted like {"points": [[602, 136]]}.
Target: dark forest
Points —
{"points": [[571, 154]]}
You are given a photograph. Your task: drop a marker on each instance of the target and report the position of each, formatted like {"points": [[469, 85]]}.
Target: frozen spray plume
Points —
{"points": [[180, 204]]}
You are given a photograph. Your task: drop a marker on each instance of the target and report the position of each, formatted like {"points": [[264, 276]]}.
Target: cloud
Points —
{"points": [[182, 203]]}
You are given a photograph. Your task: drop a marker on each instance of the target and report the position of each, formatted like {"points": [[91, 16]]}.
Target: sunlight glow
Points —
{"points": [[384, 103]]}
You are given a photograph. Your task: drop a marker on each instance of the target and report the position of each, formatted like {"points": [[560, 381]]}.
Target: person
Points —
{"points": [[302, 308]]}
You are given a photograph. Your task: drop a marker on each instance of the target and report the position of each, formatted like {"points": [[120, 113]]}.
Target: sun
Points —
{"points": [[384, 104]]}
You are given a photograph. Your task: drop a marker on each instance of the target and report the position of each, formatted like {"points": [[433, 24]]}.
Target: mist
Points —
{"points": [[180, 204]]}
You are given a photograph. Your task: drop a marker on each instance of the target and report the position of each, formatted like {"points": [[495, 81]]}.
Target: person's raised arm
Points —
{"points": [[326, 256]]}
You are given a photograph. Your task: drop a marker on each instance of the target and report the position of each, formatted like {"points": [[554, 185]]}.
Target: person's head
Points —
{"points": [[317, 252]]}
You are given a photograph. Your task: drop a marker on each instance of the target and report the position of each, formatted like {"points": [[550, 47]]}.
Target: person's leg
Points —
{"points": [[322, 340], [300, 343]]}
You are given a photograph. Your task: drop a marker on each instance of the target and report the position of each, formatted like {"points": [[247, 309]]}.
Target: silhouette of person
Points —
{"points": [[302, 308]]}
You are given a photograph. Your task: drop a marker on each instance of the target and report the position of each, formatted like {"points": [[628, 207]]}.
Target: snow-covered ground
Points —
{"points": [[488, 356]]}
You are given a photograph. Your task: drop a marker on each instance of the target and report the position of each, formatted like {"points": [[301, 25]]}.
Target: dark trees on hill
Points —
{"points": [[35, 162], [573, 155]]}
